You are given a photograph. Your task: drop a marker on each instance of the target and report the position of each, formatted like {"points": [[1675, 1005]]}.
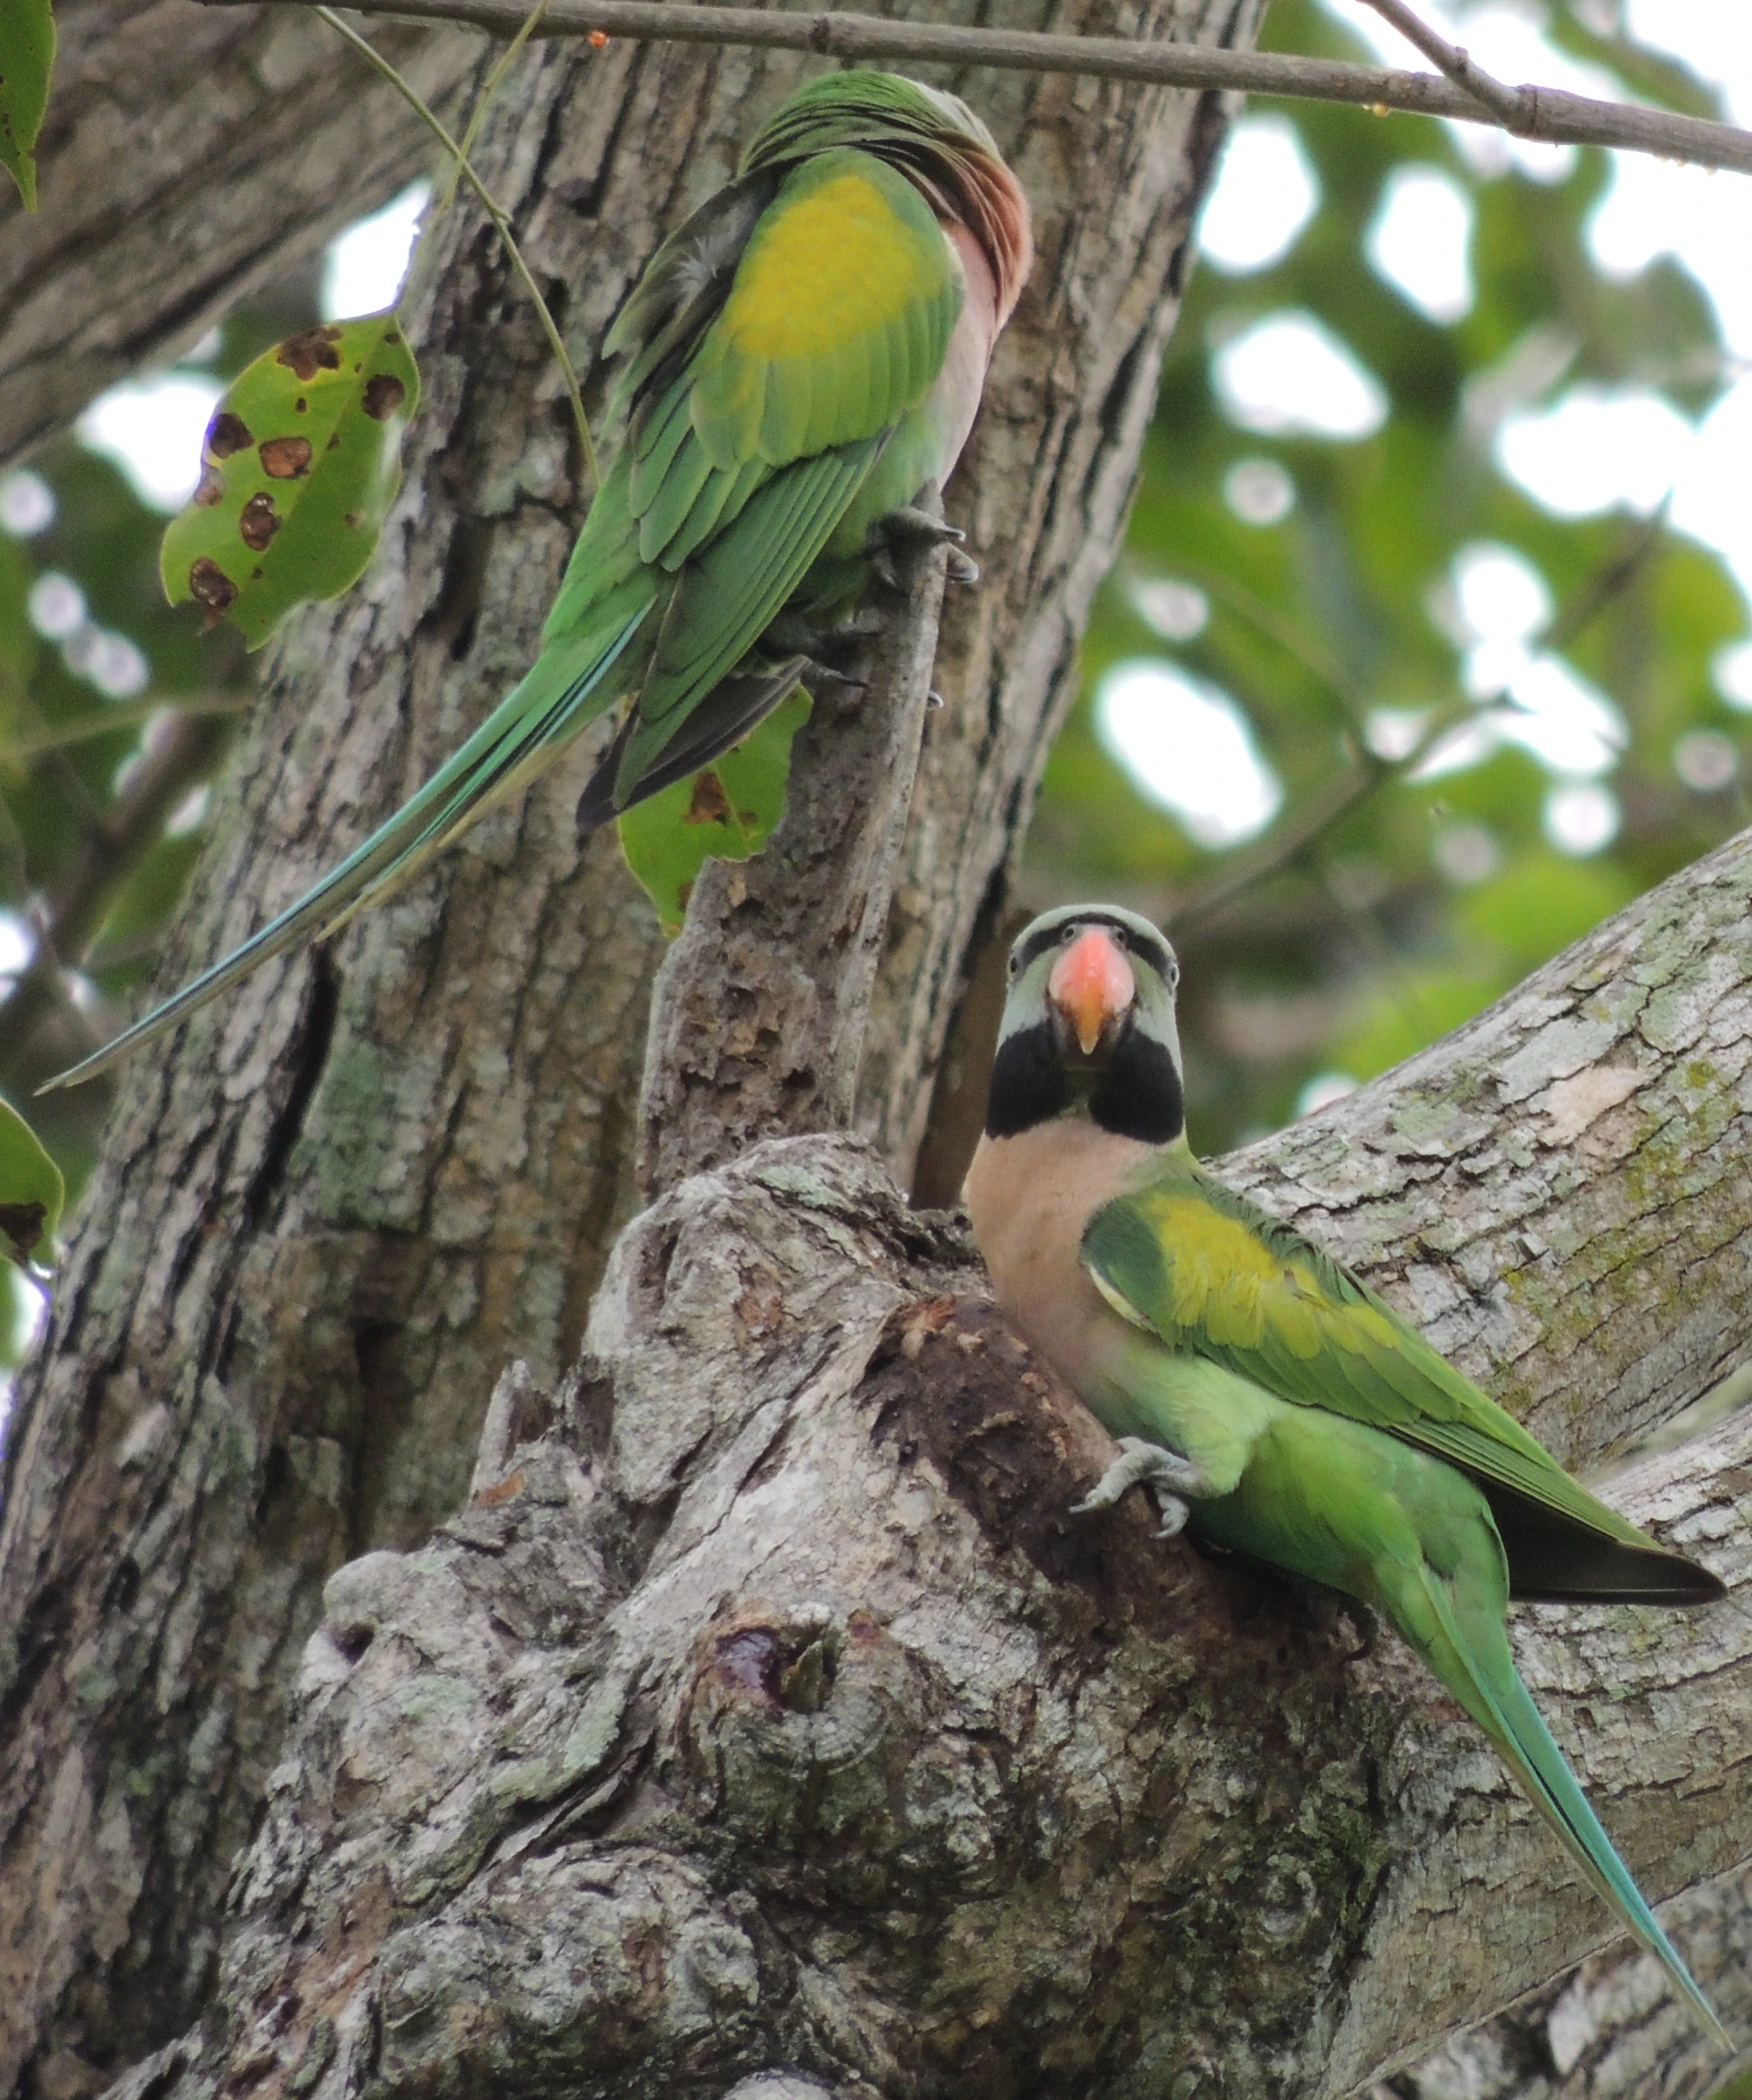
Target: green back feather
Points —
{"points": [[1209, 1271]]}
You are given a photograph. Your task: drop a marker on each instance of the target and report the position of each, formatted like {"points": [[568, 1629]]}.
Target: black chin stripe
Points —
{"points": [[1139, 1094], [1028, 1082]]}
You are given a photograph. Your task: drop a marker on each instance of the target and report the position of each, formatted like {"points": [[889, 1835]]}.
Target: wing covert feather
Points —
{"points": [[1210, 1272]]}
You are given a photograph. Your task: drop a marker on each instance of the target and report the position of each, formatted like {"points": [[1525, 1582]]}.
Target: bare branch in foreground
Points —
{"points": [[1455, 61], [1539, 113]]}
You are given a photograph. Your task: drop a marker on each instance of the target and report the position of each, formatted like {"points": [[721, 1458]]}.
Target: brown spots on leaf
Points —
{"points": [[226, 434], [211, 587], [390, 336], [334, 444], [316, 350], [353, 521], [384, 394], [285, 458], [22, 1225], [210, 489], [258, 523], [710, 804], [300, 407]]}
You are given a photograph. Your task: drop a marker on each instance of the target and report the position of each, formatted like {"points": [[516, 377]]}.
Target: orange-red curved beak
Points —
{"points": [[1091, 984]]}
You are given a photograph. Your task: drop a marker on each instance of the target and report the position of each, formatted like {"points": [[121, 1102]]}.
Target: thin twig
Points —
{"points": [[436, 125], [1302, 829], [109, 854], [1545, 113], [130, 716], [1613, 577], [483, 99], [1456, 62]]}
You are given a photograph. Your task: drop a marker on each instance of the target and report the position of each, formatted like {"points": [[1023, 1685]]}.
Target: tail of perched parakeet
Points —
{"points": [[1459, 1631], [572, 682]]}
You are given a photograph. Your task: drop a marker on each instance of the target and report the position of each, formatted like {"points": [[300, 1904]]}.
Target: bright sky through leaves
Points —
{"points": [[1421, 238], [1188, 746], [151, 428], [1263, 198], [364, 266]]}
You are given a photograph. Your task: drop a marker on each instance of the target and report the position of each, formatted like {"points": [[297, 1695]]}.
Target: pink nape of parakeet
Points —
{"points": [[1272, 1401], [804, 357]]}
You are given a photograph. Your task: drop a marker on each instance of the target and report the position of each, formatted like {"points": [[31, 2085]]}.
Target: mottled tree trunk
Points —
{"points": [[766, 1726], [329, 1214]]}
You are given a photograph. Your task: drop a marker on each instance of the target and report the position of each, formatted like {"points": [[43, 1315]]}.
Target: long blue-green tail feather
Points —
{"points": [[1477, 1665], [568, 688]]}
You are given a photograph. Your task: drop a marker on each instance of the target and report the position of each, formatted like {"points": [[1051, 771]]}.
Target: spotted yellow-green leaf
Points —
{"points": [[298, 470], [31, 1191], [726, 813], [27, 53]]}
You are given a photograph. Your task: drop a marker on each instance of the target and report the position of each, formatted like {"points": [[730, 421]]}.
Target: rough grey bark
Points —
{"points": [[189, 159], [766, 1715], [326, 1219], [758, 1013]]}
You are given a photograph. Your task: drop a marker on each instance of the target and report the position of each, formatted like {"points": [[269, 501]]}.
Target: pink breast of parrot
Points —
{"points": [[955, 396]]}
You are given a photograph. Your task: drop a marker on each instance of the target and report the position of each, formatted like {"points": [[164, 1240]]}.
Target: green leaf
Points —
{"points": [[726, 813], [27, 52], [31, 1190], [299, 464]]}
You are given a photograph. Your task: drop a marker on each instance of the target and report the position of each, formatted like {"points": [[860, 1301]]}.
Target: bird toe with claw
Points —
{"points": [[1140, 1464]]}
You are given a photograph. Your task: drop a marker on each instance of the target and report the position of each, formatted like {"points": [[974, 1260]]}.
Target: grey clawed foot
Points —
{"points": [[910, 522], [1168, 1476]]}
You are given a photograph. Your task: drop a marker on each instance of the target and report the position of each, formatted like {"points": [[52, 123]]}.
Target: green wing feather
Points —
{"points": [[755, 405], [568, 687], [1208, 1271]]}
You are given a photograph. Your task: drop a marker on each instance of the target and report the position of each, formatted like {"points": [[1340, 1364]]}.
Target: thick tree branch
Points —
{"points": [[1531, 111], [767, 1712], [758, 1012]]}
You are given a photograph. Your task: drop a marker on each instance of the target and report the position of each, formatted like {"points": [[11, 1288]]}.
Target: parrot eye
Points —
{"points": [[1015, 965]]}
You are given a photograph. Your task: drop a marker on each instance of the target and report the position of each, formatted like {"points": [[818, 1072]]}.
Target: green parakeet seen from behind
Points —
{"points": [[1272, 1401], [802, 358]]}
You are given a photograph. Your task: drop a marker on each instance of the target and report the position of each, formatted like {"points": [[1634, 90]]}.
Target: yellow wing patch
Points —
{"points": [[1225, 1281], [836, 263]]}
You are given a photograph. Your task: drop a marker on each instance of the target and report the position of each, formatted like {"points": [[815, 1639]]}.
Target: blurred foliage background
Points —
{"points": [[1346, 606], [1369, 728]]}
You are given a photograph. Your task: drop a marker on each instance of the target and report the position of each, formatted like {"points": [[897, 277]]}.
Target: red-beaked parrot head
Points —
{"points": [[1092, 986], [1089, 1027]]}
